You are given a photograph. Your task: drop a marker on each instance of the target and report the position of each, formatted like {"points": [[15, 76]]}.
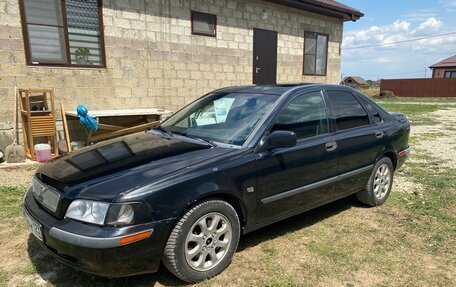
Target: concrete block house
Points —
{"points": [[112, 54]]}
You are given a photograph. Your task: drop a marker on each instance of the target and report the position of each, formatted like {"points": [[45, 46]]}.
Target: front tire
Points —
{"points": [[203, 241], [379, 185]]}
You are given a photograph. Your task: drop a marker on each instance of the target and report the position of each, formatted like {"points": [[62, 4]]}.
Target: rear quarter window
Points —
{"points": [[377, 118]]}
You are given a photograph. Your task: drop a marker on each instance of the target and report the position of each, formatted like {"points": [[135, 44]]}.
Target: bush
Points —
{"points": [[385, 95], [371, 92]]}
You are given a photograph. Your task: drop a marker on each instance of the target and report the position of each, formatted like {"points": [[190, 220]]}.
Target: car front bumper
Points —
{"points": [[96, 249]]}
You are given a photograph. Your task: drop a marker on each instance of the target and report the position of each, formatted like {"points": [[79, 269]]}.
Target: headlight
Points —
{"points": [[120, 214], [114, 214], [88, 211]]}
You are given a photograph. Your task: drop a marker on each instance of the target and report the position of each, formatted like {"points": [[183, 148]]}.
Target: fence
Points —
{"points": [[433, 88]]}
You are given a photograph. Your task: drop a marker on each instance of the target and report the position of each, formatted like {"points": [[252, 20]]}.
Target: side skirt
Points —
{"points": [[295, 212]]}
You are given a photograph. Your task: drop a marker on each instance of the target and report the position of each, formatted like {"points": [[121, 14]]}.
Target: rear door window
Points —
{"points": [[346, 110]]}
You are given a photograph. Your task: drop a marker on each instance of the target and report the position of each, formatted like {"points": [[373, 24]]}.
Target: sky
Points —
{"points": [[388, 21]]}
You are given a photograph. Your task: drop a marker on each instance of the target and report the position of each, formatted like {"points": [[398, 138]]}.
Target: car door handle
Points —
{"points": [[379, 134], [331, 146]]}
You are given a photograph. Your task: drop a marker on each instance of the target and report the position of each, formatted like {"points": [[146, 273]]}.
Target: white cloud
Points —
{"points": [[383, 60], [449, 5], [407, 59], [400, 25], [399, 30], [429, 26], [420, 15]]}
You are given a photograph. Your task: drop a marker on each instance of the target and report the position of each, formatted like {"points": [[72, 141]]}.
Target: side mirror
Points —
{"points": [[278, 139]]}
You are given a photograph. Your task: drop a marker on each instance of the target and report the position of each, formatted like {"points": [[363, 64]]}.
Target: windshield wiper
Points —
{"points": [[208, 142], [162, 129]]}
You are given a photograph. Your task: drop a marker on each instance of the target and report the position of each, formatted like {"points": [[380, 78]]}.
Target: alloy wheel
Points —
{"points": [[382, 181], [208, 241]]}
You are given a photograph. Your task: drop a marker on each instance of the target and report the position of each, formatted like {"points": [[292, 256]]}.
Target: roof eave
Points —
{"points": [[344, 14], [442, 66]]}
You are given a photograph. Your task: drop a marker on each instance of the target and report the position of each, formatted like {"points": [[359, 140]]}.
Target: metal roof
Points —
{"points": [[326, 7], [450, 62], [359, 80]]}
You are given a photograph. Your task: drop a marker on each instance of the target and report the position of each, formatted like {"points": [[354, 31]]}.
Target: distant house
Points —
{"points": [[354, 82], [373, 84], [445, 68]]}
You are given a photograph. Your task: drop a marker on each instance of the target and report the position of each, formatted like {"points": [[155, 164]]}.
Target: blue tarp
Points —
{"points": [[86, 119]]}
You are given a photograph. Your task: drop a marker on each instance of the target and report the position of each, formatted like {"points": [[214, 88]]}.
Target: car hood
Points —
{"points": [[106, 169]]}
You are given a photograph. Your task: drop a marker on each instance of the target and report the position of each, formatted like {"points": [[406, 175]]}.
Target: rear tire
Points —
{"points": [[379, 185], [203, 241]]}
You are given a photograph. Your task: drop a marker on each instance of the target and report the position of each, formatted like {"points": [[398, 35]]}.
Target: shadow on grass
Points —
{"points": [[297, 222], [58, 274]]}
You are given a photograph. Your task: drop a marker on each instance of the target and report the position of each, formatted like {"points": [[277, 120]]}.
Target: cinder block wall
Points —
{"points": [[154, 61], [440, 72]]}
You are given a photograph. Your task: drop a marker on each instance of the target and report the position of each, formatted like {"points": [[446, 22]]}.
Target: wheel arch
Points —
{"points": [[235, 202], [392, 156]]}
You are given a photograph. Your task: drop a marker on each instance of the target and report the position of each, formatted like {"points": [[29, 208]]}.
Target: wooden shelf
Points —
{"points": [[36, 112], [39, 123]]}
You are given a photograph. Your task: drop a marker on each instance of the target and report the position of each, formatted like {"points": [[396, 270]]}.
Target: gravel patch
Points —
{"points": [[439, 141], [435, 141], [17, 174], [405, 185]]}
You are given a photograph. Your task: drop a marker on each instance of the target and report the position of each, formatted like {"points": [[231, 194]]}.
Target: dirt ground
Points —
{"points": [[437, 141], [406, 242], [17, 175], [443, 145]]}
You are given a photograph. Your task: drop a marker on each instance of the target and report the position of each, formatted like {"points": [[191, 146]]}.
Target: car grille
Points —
{"points": [[47, 196]]}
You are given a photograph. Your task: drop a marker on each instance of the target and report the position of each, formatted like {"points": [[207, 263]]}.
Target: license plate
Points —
{"points": [[34, 226]]}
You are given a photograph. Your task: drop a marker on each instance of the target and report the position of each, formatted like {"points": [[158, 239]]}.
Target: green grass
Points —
{"points": [[411, 110], [280, 281], [419, 100], [3, 278], [374, 92], [439, 192], [415, 113], [11, 201]]}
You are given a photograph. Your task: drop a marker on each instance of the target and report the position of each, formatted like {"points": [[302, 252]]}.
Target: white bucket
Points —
{"points": [[43, 152]]}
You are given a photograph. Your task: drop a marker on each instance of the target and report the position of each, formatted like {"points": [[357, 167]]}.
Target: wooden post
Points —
{"points": [[65, 127]]}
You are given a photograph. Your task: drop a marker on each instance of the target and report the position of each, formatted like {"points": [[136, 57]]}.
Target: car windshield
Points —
{"points": [[220, 117]]}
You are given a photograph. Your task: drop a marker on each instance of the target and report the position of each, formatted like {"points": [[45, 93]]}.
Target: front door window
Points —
{"points": [[305, 115]]}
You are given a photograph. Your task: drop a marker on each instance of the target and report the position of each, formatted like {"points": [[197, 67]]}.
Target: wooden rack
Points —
{"points": [[38, 118]]}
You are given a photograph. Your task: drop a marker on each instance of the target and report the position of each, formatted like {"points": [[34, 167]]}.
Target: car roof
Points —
{"points": [[278, 89]]}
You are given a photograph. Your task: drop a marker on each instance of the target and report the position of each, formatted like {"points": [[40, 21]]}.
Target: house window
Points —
{"points": [[204, 24], [63, 32], [315, 53], [450, 74]]}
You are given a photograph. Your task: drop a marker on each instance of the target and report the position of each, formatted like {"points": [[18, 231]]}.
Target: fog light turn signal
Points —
{"points": [[135, 237]]}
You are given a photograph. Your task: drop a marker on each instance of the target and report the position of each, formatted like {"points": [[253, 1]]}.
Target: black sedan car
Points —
{"points": [[233, 161]]}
